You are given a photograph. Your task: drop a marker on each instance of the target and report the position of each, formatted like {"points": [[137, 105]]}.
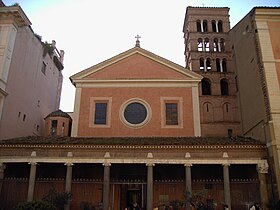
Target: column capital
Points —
{"points": [[187, 164], [262, 167], [150, 164], [68, 164], [106, 164], [32, 163], [226, 164]]}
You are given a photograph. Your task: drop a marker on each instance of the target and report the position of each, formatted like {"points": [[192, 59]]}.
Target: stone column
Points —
{"points": [[226, 186], [106, 186], [2, 169], [201, 25], [150, 186], [262, 169], [188, 185], [68, 182], [205, 66], [219, 46], [221, 66], [31, 183], [217, 28], [203, 45]]}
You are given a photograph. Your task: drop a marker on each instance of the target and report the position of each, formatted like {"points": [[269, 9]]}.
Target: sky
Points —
{"points": [[91, 31]]}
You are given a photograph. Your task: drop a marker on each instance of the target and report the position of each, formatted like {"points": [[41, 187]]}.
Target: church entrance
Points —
{"points": [[132, 196]]}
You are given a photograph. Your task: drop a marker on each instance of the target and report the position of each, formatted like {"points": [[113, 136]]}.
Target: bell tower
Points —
{"points": [[208, 52]]}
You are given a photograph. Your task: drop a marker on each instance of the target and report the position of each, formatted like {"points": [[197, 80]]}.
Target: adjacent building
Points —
{"points": [[256, 44], [30, 76]]}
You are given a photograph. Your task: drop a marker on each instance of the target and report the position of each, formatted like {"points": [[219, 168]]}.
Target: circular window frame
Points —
{"points": [[135, 100]]}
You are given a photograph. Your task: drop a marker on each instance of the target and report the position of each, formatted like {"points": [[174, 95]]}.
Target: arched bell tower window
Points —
{"points": [[215, 44], [218, 65], [214, 29], [206, 87], [198, 26], [205, 26], [201, 64], [208, 64], [206, 45], [220, 26], [199, 45], [224, 65], [224, 87], [222, 44]]}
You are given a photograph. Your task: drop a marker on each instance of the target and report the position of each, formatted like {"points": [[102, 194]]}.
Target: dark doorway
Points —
{"points": [[134, 199], [131, 196]]}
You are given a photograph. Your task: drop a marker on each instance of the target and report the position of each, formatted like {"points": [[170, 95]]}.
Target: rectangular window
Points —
{"points": [[100, 115], [171, 111]]}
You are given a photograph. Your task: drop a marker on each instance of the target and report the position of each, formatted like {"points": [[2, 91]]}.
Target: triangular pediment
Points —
{"points": [[135, 64]]}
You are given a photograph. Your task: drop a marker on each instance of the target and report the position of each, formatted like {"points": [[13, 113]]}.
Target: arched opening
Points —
{"points": [[199, 45], [224, 65], [215, 45], [222, 43], [206, 87], [198, 26], [218, 66], [208, 64], [205, 26], [214, 29], [220, 26], [206, 45], [224, 87], [201, 64]]}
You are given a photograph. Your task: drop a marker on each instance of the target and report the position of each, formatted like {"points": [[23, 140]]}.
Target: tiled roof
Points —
{"points": [[59, 113], [38, 140]]}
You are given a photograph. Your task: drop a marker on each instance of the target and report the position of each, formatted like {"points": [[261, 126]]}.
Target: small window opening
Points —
{"points": [[54, 128], [19, 113], [24, 117], [230, 132]]}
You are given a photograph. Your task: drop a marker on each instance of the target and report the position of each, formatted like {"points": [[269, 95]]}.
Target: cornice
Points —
{"points": [[79, 146], [17, 13]]}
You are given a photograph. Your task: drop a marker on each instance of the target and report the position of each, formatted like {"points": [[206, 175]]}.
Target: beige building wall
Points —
{"points": [[30, 80], [256, 51]]}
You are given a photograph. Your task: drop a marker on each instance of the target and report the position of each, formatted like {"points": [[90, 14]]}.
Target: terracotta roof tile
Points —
{"points": [[35, 140]]}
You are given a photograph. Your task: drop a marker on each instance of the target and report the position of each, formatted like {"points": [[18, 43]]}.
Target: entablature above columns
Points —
{"points": [[186, 162]]}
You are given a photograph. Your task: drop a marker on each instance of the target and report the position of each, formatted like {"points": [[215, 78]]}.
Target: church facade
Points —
{"points": [[148, 132], [136, 139]]}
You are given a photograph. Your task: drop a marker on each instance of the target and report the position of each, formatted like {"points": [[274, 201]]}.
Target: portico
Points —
{"points": [[147, 171]]}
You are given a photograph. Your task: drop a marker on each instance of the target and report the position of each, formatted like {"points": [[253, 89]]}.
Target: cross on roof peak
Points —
{"points": [[137, 41]]}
